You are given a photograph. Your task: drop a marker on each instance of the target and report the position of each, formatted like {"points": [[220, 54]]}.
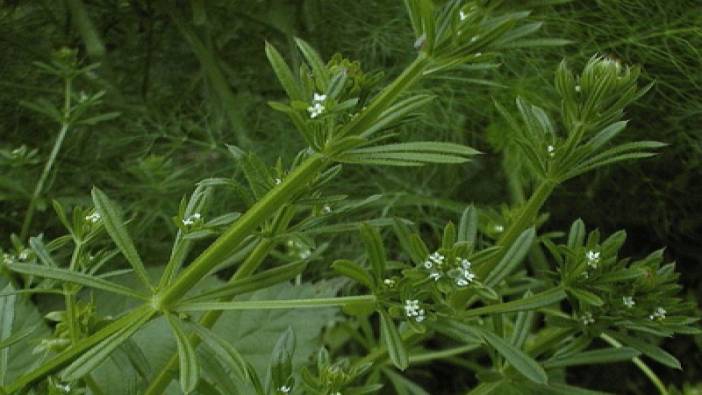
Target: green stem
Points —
{"points": [[528, 213], [93, 44], [386, 97], [252, 262], [77, 349], [39, 187], [640, 364], [221, 248]]}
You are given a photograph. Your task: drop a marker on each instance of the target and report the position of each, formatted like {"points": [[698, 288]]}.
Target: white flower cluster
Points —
{"points": [[466, 275], [628, 301], [658, 314], [587, 319], [93, 218], [434, 262], [593, 258], [412, 310], [317, 108], [191, 219]]}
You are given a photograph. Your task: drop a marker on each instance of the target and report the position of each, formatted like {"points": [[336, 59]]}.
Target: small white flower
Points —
{"points": [[474, 38], [499, 228], [658, 314], [277, 181], [437, 258], [435, 276], [319, 98], [304, 254], [428, 264], [465, 264], [578, 88], [628, 301], [412, 310], [461, 282], [587, 319], [191, 219], [23, 255], [64, 387], [551, 150], [593, 258], [284, 389], [462, 15], [316, 110], [93, 218], [8, 259], [389, 282], [326, 209]]}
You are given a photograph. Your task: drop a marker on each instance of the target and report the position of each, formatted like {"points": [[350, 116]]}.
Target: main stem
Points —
{"points": [[252, 262], [39, 187], [244, 226]]}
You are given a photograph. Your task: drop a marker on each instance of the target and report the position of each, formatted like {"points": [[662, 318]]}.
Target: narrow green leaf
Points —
{"points": [[650, 350], [187, 358], [114, 225], [278, 304], [315, 62], [7, 319], [258, 281], [93, 357], [282, 71], [468, 225], [586, 297], [576, 236], [353, 270], [223, 349], [523, 363], [74, 277], [533, 302], [605, 355], [396, 349], [374, 248], [513, 257]]}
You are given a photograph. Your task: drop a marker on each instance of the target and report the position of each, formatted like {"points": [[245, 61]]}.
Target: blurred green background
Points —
{"points": [[190, 77]]}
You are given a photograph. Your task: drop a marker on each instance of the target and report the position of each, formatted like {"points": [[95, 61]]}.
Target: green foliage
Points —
{"points": [[237, 242]]}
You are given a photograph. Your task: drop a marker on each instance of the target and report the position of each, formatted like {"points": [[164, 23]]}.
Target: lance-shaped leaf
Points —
{"points": [[650, 350], [396, 349], [283, 72], [353, 270], [532, 302], [74, 277], [187, 358], [315, 62], [93, 357], [513, 257], [258, 281], [522, 362], [374, 249], [285, 304], [223, 349], [410, 154], [112, 220], [605, 355]]}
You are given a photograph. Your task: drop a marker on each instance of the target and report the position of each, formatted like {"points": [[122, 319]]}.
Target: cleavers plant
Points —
{"points": [[578, 303]]}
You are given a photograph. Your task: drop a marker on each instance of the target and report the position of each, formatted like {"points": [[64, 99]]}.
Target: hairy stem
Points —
{"points": [[252, 262], [221, 248]]}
